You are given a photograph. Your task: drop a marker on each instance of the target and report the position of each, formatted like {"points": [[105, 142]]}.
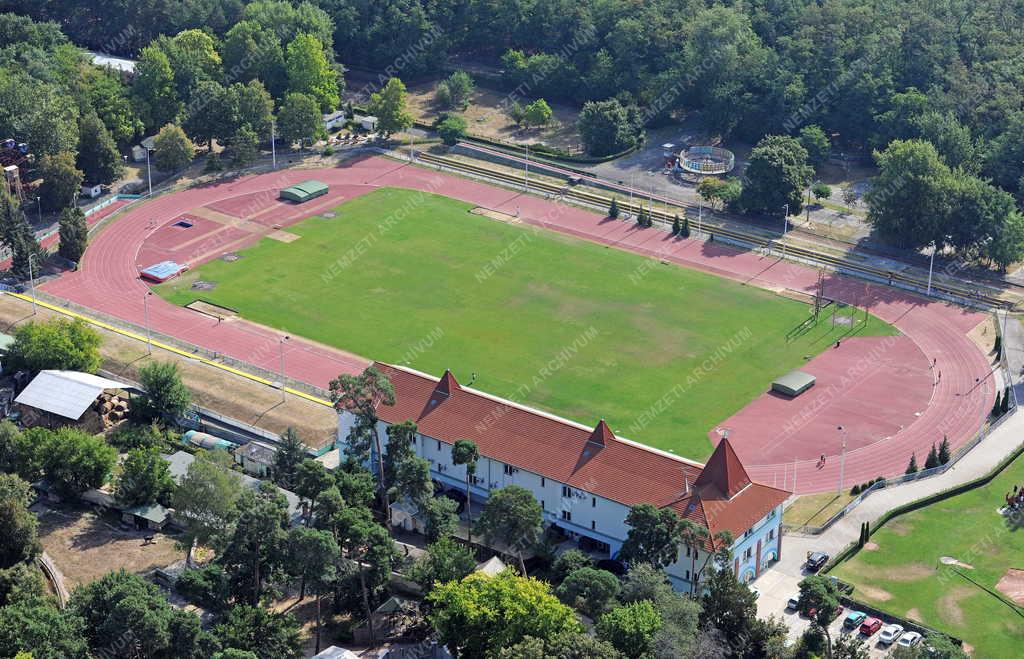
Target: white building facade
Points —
{"points": [[586, 480]]}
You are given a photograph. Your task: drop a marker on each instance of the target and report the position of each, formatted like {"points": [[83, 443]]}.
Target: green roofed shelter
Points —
{"points": [[301, 192], [793, 383]]}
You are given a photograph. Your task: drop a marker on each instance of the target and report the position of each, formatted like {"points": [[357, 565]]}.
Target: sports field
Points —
{"points": [[905, 576], [584, 331]]}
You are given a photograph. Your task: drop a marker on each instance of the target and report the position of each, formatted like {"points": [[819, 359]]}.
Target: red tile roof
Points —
{"points": [[723, 475], [593, 460]]}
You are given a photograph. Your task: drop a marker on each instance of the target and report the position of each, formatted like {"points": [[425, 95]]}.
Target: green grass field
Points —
{"points": [[562, 324], [904, 574]]}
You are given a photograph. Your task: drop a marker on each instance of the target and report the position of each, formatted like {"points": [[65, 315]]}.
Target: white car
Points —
{"points": [[793, 603], [909, 640], [890, 633]]}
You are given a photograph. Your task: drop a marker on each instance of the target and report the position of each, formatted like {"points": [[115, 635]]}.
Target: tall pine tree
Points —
{"points": [[16, 234], [74, 234]]}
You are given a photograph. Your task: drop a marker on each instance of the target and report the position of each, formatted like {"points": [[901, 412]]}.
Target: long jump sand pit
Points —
{"points": [[1012, 585]]}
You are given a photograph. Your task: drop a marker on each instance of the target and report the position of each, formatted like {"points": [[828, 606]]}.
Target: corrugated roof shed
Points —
{"points": [[65, 393]]}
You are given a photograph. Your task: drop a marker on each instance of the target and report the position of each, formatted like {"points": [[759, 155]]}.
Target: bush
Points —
{"points": [[328, 151], [208, 586], [855, 490], [451, 128], [131, 435], [166, 396]]}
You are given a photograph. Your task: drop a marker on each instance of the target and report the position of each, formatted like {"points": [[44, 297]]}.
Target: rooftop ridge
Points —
{"points": [[549, 415]]}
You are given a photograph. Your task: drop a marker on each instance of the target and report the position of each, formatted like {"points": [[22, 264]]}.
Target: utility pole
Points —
{"points": [[526, 179]]}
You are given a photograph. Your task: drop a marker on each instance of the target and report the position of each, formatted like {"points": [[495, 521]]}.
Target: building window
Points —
{"points": [[687, 575], [542, 505], [688, 553], [566, 515], [439, 445], [566, 491], [593, 502], [509, 470], [542, 481], [771, 514], [747, 534], [747, 554], [771, 534], [593, 525]]}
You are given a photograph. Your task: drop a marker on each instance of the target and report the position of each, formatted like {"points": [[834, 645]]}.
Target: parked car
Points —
{"points": [[890, 633], [909, 640], [816, 560], [813, 612], [870, 626], [854, 620], [793, 602]]}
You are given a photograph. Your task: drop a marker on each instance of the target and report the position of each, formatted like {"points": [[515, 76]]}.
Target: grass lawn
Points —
{"points": [[904, 575], [555, 322], [815, 509]]}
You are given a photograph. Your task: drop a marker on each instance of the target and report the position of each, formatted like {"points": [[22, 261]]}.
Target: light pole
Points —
{"points": [[931, 265], [145, 313], [149, 173], [700, 211], [39, 209], [842, 460], [273, 145], [283, 340], [785, 227], [632, 176], [526, 178], [32, 282]]}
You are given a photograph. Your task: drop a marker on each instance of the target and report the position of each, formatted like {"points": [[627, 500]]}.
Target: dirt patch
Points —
{"points": [[495, 215], [1012, 585], [283, 236], [211, 309], [949, 605], [984, 335], [910, 572], [899, 528], [915, 615], [230, 257], [218, 390], [200, 285], [487, 116], [871, 546], [86, 546], [876, 594]]}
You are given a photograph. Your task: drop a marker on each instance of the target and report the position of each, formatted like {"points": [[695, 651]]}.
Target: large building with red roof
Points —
{"points": [[585, 478]]}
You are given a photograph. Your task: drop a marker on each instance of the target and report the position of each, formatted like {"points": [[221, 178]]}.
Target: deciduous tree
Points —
{"points": [[98, 157], [513, 517], [389, 106], [172, 150], [166, 396]]}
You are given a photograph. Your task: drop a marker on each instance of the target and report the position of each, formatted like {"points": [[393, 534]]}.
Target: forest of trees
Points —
{"points": [[862, 74]]}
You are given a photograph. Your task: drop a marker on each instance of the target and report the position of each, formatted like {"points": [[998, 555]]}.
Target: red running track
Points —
{"points": [[108, 282]]}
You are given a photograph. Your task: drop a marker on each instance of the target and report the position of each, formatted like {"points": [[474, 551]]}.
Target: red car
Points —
{"points": [[870, 626]]}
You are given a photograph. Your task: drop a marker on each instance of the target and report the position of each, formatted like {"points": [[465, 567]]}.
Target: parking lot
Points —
{"points": [[781, 582]]}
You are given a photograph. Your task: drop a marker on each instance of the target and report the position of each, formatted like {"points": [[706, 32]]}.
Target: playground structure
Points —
{"points": [[13, 156], [707, 160]]}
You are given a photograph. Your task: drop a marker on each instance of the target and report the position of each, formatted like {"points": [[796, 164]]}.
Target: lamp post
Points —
{"points": [[931, 265], [632, 176], [700, 212], [145, 313], [32, 282], [785, 227], [842, 460], [526, 178], [39, 209], [149, 172], [273, 145], [283, 340]]}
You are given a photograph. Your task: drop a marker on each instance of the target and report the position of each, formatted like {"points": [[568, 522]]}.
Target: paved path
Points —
{"points": [[781, 581], [108, 282]]}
